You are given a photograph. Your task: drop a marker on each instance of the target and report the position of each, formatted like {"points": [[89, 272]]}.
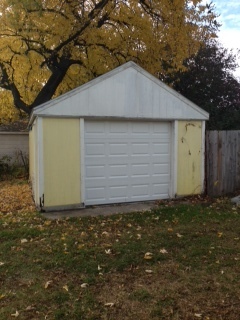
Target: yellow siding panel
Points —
{"points": [[61, 162], [189, 168]]}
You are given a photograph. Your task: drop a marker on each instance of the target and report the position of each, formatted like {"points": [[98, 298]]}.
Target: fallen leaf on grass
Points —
{"points": [[179, 235], [148, 256], [108, 251], [47, 284], [1, 264], [163, 251], [47, 222], [83, 234], [148, 271], [109, 304], [84, 285], [65, 288], [105, 233], [30, 308], [16, 314], [198, 315], [24, 240]]}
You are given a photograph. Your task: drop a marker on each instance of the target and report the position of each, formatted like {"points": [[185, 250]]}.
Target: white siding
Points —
{"points": [[126, 92]]}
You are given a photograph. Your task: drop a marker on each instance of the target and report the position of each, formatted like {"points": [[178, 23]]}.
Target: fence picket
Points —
{"points": [[222, 162]]}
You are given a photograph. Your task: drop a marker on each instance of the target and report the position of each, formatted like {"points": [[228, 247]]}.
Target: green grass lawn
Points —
{"points": [[181, 261]]}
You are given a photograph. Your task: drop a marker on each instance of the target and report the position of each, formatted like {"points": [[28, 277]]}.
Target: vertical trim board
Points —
{"points": [[203, 155], [175, 158], [82, 161]]}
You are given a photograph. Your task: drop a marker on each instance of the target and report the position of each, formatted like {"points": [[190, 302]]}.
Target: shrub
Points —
{"points": [[4, 165], [14, 167]]}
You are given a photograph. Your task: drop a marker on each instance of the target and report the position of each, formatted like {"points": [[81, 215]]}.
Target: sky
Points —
{"points": [[229, 35]]}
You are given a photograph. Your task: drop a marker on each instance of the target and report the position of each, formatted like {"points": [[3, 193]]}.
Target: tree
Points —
{"points": [[48, 47], [209, 82]]}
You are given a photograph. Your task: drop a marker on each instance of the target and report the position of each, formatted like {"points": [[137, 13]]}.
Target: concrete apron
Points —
{"points": [[103, 210]]}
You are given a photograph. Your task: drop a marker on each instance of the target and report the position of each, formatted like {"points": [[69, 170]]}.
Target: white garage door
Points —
{"points": [[126, 161]]}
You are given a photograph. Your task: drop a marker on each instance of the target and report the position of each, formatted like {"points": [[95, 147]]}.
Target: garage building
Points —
{"points": [[122, 137]]}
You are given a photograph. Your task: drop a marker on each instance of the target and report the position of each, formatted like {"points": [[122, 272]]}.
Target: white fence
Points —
{"points": [[14, 144]]}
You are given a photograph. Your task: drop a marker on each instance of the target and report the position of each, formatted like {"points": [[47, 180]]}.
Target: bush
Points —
{"points": [[14, 167], [4, 165]]}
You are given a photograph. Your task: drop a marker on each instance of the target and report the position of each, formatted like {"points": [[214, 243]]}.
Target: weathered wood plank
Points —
{"points": [[222, 162]]}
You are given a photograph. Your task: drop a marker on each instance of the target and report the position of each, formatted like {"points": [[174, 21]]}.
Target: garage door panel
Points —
{"points": [[140, 169], [118, 170], [139, 159], [98, 159], [126, 161], [163, 178], [117, 160], [160, 148], [118, 192], [95, 127], [95, 171], [140, 148], [95, 149], [140, 128], [97, 183], [161, 191], [118, 128], [163, 128], [139, 190], [118, 181], [159, 168], [118, 149], [97, 194], [163, 159]]}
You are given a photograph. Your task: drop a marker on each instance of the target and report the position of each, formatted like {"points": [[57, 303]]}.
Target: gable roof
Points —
{"points": [[126, 92]]}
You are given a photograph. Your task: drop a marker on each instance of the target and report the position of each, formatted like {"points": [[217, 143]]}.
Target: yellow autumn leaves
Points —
{"points": [[97, 36], [15, 198]]}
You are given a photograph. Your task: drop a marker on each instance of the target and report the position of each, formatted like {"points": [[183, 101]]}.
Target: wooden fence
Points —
{"points": [[222, 162]]}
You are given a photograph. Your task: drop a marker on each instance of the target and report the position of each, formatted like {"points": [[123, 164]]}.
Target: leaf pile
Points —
{"points": [[16, 197]]}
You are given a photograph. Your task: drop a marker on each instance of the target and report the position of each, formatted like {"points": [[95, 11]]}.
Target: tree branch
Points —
{"points": [[58, 73], [91, 16], [8, 84]]}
